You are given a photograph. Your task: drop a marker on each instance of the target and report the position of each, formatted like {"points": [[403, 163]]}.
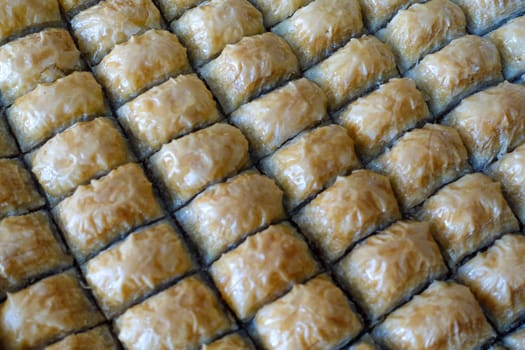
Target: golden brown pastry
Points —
{"points": [[181, 317], [230, 342], [309, 162], [509, 41], [262, 268], [378, 12], [50, 108], [377, 119], [8, 146], [137, 266], [467, 215], [278, 116], [138, 64], [315, 315], [46, 310], [248, 68], [34, 59], [445, 316], [188, 165], [172, 9], [167, 111], [226, 212], [421, 161], [463, 66], [70, 7], [206, 29], [490, 122], [98, 213], [275, 11], [349, 210], [353, 69], [319, 28], [515, 340], [98, 338], [365, 343], [421, 29], [389, 267]]}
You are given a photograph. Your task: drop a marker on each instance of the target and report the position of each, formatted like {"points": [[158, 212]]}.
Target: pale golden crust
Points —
{"points": [[206, 29], [272, 119], [230, 342], [48, 309], [353, 69], [49, 108], [377, 119], [351, 209], [421, 161], [172, 9], [248, 68], [463, 66], [320, 27], [482, 15], [444, 316], [261, 268], [137, 266], [274, 11], [226, 212], [315, 315], [34, 59], [467, 215], [311, 161], [8, 146], [188, 165], [96, 214], [98, 338], [378, 12], [141, 62], [515, 340], [181, 317], [509, 41]]}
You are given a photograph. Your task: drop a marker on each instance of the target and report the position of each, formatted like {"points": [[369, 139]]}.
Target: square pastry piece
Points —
{"points": [[509, 41], [98, 213], [315, 315], [310, 161], [137, 266], [8, 146], [188, 165], [98, 338], [230, 342], [351, 209], [45, 311], [181, 317], [262, 268], [445, 316], [226, 212], [515, 340], [421, 161], [497, 279], [378, 12], [389, 267], [467, 215], [490, 122]]}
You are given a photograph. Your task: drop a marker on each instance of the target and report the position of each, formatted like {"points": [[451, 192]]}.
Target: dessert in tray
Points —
{"points": [[262, 174]]}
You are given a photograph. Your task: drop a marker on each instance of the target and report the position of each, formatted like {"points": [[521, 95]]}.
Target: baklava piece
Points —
{"points": [[172, 9], [445, 316], [463, 66], [98, 213], [50, 108], [310, 161], [509, 41], [167, 111], [28, 249], [319, 28], [45, 311], [312, 316], [422, 29], [421, 161], [497, 279], [180, 317], [137, 266], [275, 11], [138, 64], [248, 68], [378, 12], [78, 154], [391, 266], [353, 70], [226, 212], [376, 120], [278, 116], [261, 268], [8, 146], [230, 342], [188, 165], [34, 59], [467, 215], [351, 209], [206, 29], [490, 122], [98, 338], [99, 28], [18, 193], [515, 340]]}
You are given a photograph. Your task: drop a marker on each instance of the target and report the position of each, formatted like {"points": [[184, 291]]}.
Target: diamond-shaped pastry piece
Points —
{"points": [[509, 41]]}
